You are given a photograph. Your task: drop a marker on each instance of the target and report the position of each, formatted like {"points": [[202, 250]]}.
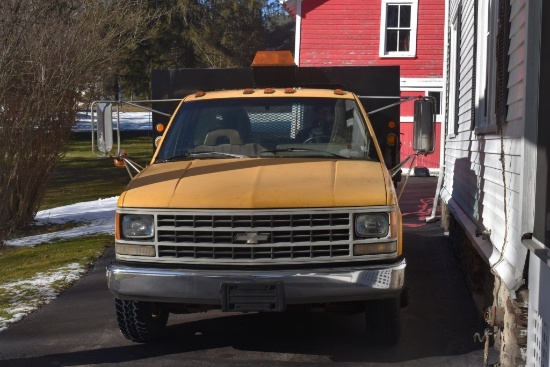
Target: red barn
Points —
{"points": [[408, 33]]}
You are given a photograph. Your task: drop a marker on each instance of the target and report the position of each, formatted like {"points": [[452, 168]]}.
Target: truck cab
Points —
{"points": [[261, 199]]}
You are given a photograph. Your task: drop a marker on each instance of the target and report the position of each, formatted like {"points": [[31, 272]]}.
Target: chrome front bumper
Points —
{"points": [[298, 286]]}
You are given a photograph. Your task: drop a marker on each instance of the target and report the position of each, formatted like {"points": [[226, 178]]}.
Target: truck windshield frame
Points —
{"points": [[287, 127]]}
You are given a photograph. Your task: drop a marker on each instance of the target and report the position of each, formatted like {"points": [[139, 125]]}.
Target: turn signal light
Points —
{"points": [[135, 250], [374, 248]]}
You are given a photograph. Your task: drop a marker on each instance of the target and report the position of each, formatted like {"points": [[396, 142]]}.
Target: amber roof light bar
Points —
{"points": [[273, 58]]}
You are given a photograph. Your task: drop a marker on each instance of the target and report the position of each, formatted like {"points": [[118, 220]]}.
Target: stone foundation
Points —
{"points": [[506, 317]]}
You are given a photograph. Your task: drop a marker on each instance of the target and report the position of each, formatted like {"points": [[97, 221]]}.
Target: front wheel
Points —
{"points": [[140, 322], [383, 320]]}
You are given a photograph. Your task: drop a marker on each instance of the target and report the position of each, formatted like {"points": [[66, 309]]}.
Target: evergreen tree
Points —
{"points": [[205, 34]]}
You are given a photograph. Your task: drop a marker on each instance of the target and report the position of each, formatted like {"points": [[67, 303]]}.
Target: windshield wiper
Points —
{"points": [[290, 149], [198, 154]]}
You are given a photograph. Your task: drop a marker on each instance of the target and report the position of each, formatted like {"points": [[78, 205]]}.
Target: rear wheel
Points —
{"points": [[140, 322], [383, 320]]}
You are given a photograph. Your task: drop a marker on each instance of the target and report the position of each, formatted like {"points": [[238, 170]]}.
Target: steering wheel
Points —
{"points": [[317, 139]]}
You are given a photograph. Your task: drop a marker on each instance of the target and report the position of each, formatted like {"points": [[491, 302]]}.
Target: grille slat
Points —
{"points": [[265, 236]]}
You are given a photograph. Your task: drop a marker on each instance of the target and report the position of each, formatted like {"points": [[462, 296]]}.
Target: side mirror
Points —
{"points": [[424, 126], [104, 127]]}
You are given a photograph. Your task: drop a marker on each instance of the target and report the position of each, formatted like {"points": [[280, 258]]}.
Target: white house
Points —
{"points": [[495, 174]]}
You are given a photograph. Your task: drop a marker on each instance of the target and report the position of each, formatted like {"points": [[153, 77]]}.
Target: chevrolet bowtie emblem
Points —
{"points": [[252, 237]]}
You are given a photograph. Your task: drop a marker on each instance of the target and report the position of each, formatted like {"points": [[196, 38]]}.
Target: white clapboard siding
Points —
{"points": [[473, 163]]}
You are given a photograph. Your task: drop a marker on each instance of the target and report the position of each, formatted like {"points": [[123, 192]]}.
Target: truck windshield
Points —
{"points": [[267, 128]]}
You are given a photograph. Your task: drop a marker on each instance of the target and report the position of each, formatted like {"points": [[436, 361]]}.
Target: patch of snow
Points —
{"points": [[27, 295], [97, 216], [128, 121]]}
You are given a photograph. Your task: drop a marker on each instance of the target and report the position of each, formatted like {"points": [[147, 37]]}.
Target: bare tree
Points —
{"points": [[51, 51]]}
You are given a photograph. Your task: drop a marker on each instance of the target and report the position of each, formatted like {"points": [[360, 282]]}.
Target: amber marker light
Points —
{"points": [[290, 90], [117, 226], [248, 91], [119, 161], [393, 225], [391, 124], [159, 128], [273, 58], [200, 93], [339, 92], [269, 91], [391, 139]]}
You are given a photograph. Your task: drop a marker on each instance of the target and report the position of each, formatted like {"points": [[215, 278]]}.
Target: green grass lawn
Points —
{"points": [[23, 262], [80, 176]]}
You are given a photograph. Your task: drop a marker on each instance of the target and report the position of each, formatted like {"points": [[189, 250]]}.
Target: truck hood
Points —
{"points": [[258, 183]]}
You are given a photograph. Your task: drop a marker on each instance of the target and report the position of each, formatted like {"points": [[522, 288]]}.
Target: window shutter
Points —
{"points": [[447, 84], [474, 71], [502, 44], [456, 92]]}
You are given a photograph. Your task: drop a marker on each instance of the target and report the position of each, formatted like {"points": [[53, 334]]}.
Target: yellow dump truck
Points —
{"points": [[262, 199]]}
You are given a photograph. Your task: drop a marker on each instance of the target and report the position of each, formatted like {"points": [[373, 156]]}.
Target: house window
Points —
{"points": [[398, 28], [454, 71], [493, 41], [437, 97]]}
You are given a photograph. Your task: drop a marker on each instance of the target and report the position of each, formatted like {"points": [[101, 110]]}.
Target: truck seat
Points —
{"points": [[223, 136]]}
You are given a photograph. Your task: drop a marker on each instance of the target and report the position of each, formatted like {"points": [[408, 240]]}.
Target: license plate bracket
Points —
{"points": [[252, 297]]}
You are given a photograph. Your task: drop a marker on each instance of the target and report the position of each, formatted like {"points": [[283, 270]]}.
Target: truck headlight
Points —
{"points": [[372, 225], [137, 226]]}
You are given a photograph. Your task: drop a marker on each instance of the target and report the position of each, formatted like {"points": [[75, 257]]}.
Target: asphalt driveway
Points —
{"points": [[79, 328]]}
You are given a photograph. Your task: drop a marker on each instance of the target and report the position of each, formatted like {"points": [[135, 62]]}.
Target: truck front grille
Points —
{"points": [[273, 236]]}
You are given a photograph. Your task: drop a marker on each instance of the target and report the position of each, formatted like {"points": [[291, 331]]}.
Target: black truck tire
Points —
{"points": [[140, 322], [383, 321]]}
